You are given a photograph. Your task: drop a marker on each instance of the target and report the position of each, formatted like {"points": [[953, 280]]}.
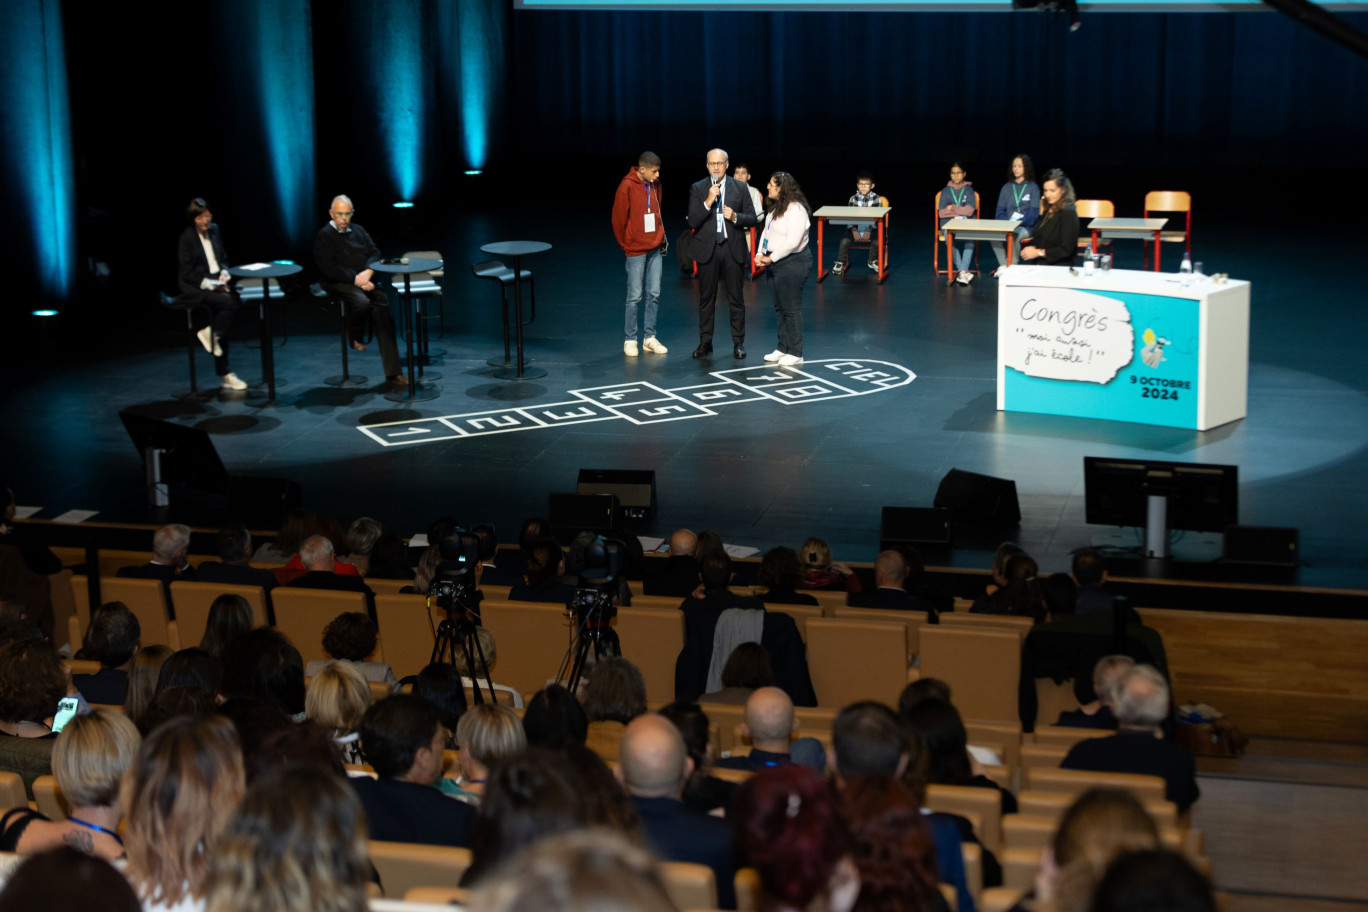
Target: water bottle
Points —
{"points": [[1186, 266]]}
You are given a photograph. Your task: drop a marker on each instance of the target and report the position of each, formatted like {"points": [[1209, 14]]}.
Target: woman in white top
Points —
{"points": [[784, 250]]}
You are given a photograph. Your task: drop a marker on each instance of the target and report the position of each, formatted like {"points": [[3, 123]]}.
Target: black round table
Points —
{"points": [[416, 390], [517, 250], [266, 272]]}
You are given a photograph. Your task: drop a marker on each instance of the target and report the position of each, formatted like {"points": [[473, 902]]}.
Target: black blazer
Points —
{"points": [[704, 224], [194, 266], [407, 812]]}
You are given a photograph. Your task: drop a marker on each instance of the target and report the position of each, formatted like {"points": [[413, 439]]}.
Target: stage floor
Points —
{"points": [[729, 455]]}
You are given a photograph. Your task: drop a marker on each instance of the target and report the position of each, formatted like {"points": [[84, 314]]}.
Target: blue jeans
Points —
{"points": [[643, 270], [964, 255]]}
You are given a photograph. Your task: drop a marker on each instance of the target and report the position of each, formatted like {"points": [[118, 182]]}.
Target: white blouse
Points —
{"points": [[787, 233]]}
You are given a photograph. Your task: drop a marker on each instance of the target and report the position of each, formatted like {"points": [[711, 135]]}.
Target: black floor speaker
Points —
{"points": [[635, 490], [1265, 546], [979, 500], [571, 514], [917, 526]]}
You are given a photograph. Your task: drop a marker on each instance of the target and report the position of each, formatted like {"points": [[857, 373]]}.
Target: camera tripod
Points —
{"points": [[593, 630], [459, 631]]}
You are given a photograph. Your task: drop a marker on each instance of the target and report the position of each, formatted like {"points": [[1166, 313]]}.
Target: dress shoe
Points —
{"points": [[703, 350], [397, 380], [738, 352], [359, 346]]}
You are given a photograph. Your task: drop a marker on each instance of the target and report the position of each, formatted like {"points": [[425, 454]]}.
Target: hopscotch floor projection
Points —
{"points": [[645, 403]]}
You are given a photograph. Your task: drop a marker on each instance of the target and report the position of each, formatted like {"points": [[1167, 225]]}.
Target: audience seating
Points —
{"points": [[1005, 734], [973, 864], [193, 600], [12, 793], [816, 717], [146, 598], [652, 639], [63, 608], [726, 716], [950, 895], [1068, 736], [1075, 782], [747, 881], [1000, 899], [406, 630], [83, 666], [405, 865], [987, 621], [1052, 805], [1029, 833], [801, 615], [533, 638], [301, 614], [500, 593], [437, 897], [691, 886], [388, 586], [1042, 756], [968, 799], [731, 775], [656, 601], [741, 744], [962, 605], [911, 621], [1053, 699], [982, 668], [603, 739], [829, 600], [48, 798], [1019, 866], [852, 660]]}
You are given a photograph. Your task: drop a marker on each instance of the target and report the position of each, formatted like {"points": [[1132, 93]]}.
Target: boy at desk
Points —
{"points": [[864, 196]]}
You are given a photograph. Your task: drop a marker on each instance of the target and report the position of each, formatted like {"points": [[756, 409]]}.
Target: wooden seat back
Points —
{"points": [[301, 614], [194, 599]]}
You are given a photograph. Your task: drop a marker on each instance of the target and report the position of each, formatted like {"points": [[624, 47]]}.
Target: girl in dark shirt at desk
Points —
{"points": [[1055, 240]]}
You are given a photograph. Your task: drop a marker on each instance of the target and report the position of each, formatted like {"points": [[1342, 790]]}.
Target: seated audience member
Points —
{"points": [[362, 535], [679, 574], [600, 800], [1020, 595], [782, 576], [402, 738], [653, 765], [936, 689], [440, 684], [1005, 552], [1099, 713], [942, 734], [142, 680], [1099, 826], [528, 798], [230, 616], [788, 827], [297, 525], [554, 717], [191, 668], [337, 698], [868, 740], [389, 558], [263, 665], [1061, 595], [425, 571], [1141, 701], [234, 545], [917, 584], [1090, 573], [488, 734], [821, 572], [350, 638], [32, 681], [489, 649], [579, 871], [67, 878], [890, 576], [542, 572], [297, 841], [1155, 880], [747, 668], [296, 744], [170, 544], [89, 758], [703, 791], [892, 847], [616, 691], [320, 568], [171, 843], [770, 724], [720, 621], [492, 572], [112, 640]]}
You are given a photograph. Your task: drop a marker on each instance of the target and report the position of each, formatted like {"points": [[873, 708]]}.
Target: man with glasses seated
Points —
{"points": [[342, 251]]}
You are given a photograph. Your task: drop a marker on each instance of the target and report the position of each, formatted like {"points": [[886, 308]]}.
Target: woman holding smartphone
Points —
{"points": [[33, 682]]}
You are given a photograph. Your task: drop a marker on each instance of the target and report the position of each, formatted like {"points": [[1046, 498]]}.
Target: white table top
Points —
{"points": [[867, 213], [1145, 281], [1002, 226], [1138, 225]]}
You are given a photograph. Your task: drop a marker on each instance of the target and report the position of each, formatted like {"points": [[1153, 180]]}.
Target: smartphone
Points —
{"points": [[66, 708]]}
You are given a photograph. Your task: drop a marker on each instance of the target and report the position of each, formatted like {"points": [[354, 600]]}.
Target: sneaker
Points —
{"points": [[231, 382], [837, 268], [774, 356], [629, 348], [653, 346], [997, 273], [962, 278], [968, 276], [874, 265], [206, 338], [790, 360]]}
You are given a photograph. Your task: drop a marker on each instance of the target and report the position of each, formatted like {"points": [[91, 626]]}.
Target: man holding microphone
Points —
{"points": [[720, 211]]}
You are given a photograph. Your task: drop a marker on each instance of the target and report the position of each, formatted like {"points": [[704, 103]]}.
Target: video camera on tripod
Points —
{"points": [[453, 590], [594, 605]]}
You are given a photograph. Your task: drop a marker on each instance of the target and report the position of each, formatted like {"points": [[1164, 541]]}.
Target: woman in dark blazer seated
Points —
{"points": [[1055, 239], [543, 570], [204, 282]]}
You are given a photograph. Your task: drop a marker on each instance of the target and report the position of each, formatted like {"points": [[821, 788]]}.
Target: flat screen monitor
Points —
{"points": [[1202, 497]]}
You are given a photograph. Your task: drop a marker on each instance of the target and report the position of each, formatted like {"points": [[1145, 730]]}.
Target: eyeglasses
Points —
{"points": [[717, 164], [344, 215]]}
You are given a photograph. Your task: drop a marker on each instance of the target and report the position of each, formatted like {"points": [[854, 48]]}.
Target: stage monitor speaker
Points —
{"points": [[1265, 546], [979, 500], [635, 490], [571, 514], [918, 526]]}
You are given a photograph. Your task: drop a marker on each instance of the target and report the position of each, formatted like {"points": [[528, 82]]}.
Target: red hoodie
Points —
{"points": [[629, 215]]}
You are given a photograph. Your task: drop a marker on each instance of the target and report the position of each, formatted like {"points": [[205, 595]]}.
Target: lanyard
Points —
{"points": [[648, 197], [99, 829], [1017, 193], [958, 198]]}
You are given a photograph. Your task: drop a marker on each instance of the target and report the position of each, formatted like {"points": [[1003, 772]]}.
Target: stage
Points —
{"points": [[898, 388]]}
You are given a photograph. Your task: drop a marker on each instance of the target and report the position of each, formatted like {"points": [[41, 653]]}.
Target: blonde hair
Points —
{"points": [[91, 755], [297, 842], [815, 554], [1099, 826], [490, 732], [488, 647], [337, 698], [142, 679], [178, 797]]}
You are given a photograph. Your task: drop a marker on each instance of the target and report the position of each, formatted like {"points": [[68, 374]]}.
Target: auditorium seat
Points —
{"points": [[1000, 899], [1006, 734], [194, 599], [301, 614], [603, 739], [405, 865], [387, 586], [406, 631], [1041, 756], [48, 798], [146, 598], [911, 621], [852, 660], [1075, 782], [968, 799], [982, 668], [726, 716], [1052, 805], [428, 899], [533, 638], [652, 640], [690, 886], [987, 621], [63, 608], [12, 792], [1068, 735], [801, 614]]}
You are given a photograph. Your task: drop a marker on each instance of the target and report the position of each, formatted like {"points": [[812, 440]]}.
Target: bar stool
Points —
{"points": [[496, 271], [346, 379], [191, 343]]}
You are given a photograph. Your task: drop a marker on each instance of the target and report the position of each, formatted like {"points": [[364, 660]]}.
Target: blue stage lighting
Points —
{"points": [[401, 83], [403, 204], [480, 32], [45, 313], [475, 171]]}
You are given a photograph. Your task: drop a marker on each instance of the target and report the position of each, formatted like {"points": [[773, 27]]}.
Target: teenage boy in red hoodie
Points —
{"points": [[640, 232]]}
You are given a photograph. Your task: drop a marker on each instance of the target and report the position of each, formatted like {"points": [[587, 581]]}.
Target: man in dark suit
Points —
{"points": [[235, 547], [679, 575], [170, 544], [890, 574], [653, 766], [720, 211], [402, 737], [770, 724], [204, 283], [319, 561]]}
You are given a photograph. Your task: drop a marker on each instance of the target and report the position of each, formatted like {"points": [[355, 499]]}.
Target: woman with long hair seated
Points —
{"points": [[337, 698], [1054, 240], [892, 847]]}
